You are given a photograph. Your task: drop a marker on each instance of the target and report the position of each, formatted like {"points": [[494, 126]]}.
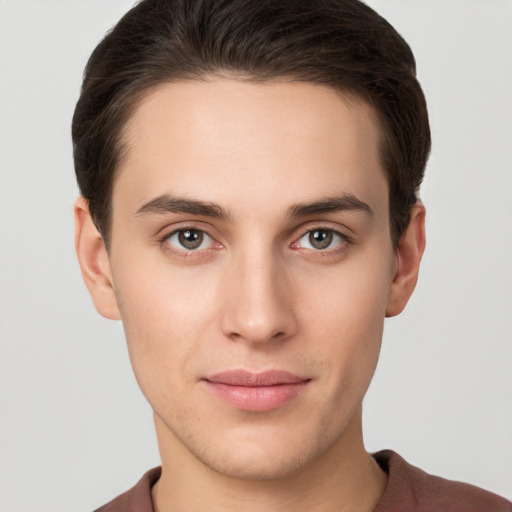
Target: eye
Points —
{"points": [[189, 239], [321, 239]]}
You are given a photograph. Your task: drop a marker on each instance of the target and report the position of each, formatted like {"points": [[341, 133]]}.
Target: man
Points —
{"points": [[249, 176]]}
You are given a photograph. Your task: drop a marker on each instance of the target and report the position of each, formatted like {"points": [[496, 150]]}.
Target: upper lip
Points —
{"points": [[250, 379]]}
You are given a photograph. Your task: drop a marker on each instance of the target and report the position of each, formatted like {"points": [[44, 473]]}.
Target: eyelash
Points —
{"points": [[163, 242], [342, 246]]}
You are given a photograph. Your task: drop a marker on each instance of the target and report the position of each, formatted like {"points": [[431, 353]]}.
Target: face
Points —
{"points": [[252, 265]]}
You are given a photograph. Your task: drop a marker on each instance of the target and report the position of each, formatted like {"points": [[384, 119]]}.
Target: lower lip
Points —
{"points": [[257, 398]]}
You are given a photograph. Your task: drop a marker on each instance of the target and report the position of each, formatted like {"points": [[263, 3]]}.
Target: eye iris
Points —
{"points": [[190, 238], [320, 238]]}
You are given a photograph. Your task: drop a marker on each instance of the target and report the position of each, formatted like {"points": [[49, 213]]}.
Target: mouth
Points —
{"points": [[256, 392]]}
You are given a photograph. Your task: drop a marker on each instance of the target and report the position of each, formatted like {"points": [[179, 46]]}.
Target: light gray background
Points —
{"points": [[75, 430]]}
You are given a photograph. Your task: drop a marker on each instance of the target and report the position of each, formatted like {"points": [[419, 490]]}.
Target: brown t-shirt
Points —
{"points": [[409, 489]]}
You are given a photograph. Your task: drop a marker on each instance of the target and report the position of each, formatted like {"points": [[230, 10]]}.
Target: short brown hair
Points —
{"points": [[340, 43]]}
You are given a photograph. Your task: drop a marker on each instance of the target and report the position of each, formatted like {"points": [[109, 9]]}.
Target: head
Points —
{"points": [[249, 173], [342, 44]]}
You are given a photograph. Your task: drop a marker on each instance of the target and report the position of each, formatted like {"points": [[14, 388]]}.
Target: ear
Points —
{"points": [[408, 257], [94, 262]]}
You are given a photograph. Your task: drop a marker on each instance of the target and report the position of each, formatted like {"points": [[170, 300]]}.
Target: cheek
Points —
{"points": [[165, 312], [348, 321], [352, 326], [350, 298], [164, 299]]}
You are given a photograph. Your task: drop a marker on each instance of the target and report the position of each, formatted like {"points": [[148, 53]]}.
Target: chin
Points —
{"points": [[265, 466], [263, 455]]}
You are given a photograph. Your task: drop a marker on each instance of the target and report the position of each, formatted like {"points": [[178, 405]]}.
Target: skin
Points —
{"points": [[256, 295]]}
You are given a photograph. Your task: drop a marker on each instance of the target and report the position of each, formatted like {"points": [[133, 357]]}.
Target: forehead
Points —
{"points": [[232, 141]]}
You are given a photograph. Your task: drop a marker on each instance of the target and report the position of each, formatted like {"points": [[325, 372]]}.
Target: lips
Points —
{"points": [[257, 392]]}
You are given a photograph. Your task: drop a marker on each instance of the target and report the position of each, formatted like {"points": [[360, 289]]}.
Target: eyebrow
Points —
{"points": [[345, 202], [168, 203]]}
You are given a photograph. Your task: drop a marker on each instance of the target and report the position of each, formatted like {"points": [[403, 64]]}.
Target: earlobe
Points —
{"points": [[408, 257], [94, 262]]}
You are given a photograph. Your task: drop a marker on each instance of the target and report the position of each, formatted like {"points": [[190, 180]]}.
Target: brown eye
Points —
{"points": [[320, 238], [189, 239]]}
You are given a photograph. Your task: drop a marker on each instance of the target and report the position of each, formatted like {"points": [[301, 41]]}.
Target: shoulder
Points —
{"points": [[138, 498], [411, 489]]}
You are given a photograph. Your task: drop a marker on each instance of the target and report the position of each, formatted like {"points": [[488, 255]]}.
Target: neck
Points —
{"points": [[344, 478]]}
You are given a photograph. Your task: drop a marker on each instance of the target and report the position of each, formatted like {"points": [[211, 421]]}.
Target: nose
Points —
{"points": [[258, 301]]}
